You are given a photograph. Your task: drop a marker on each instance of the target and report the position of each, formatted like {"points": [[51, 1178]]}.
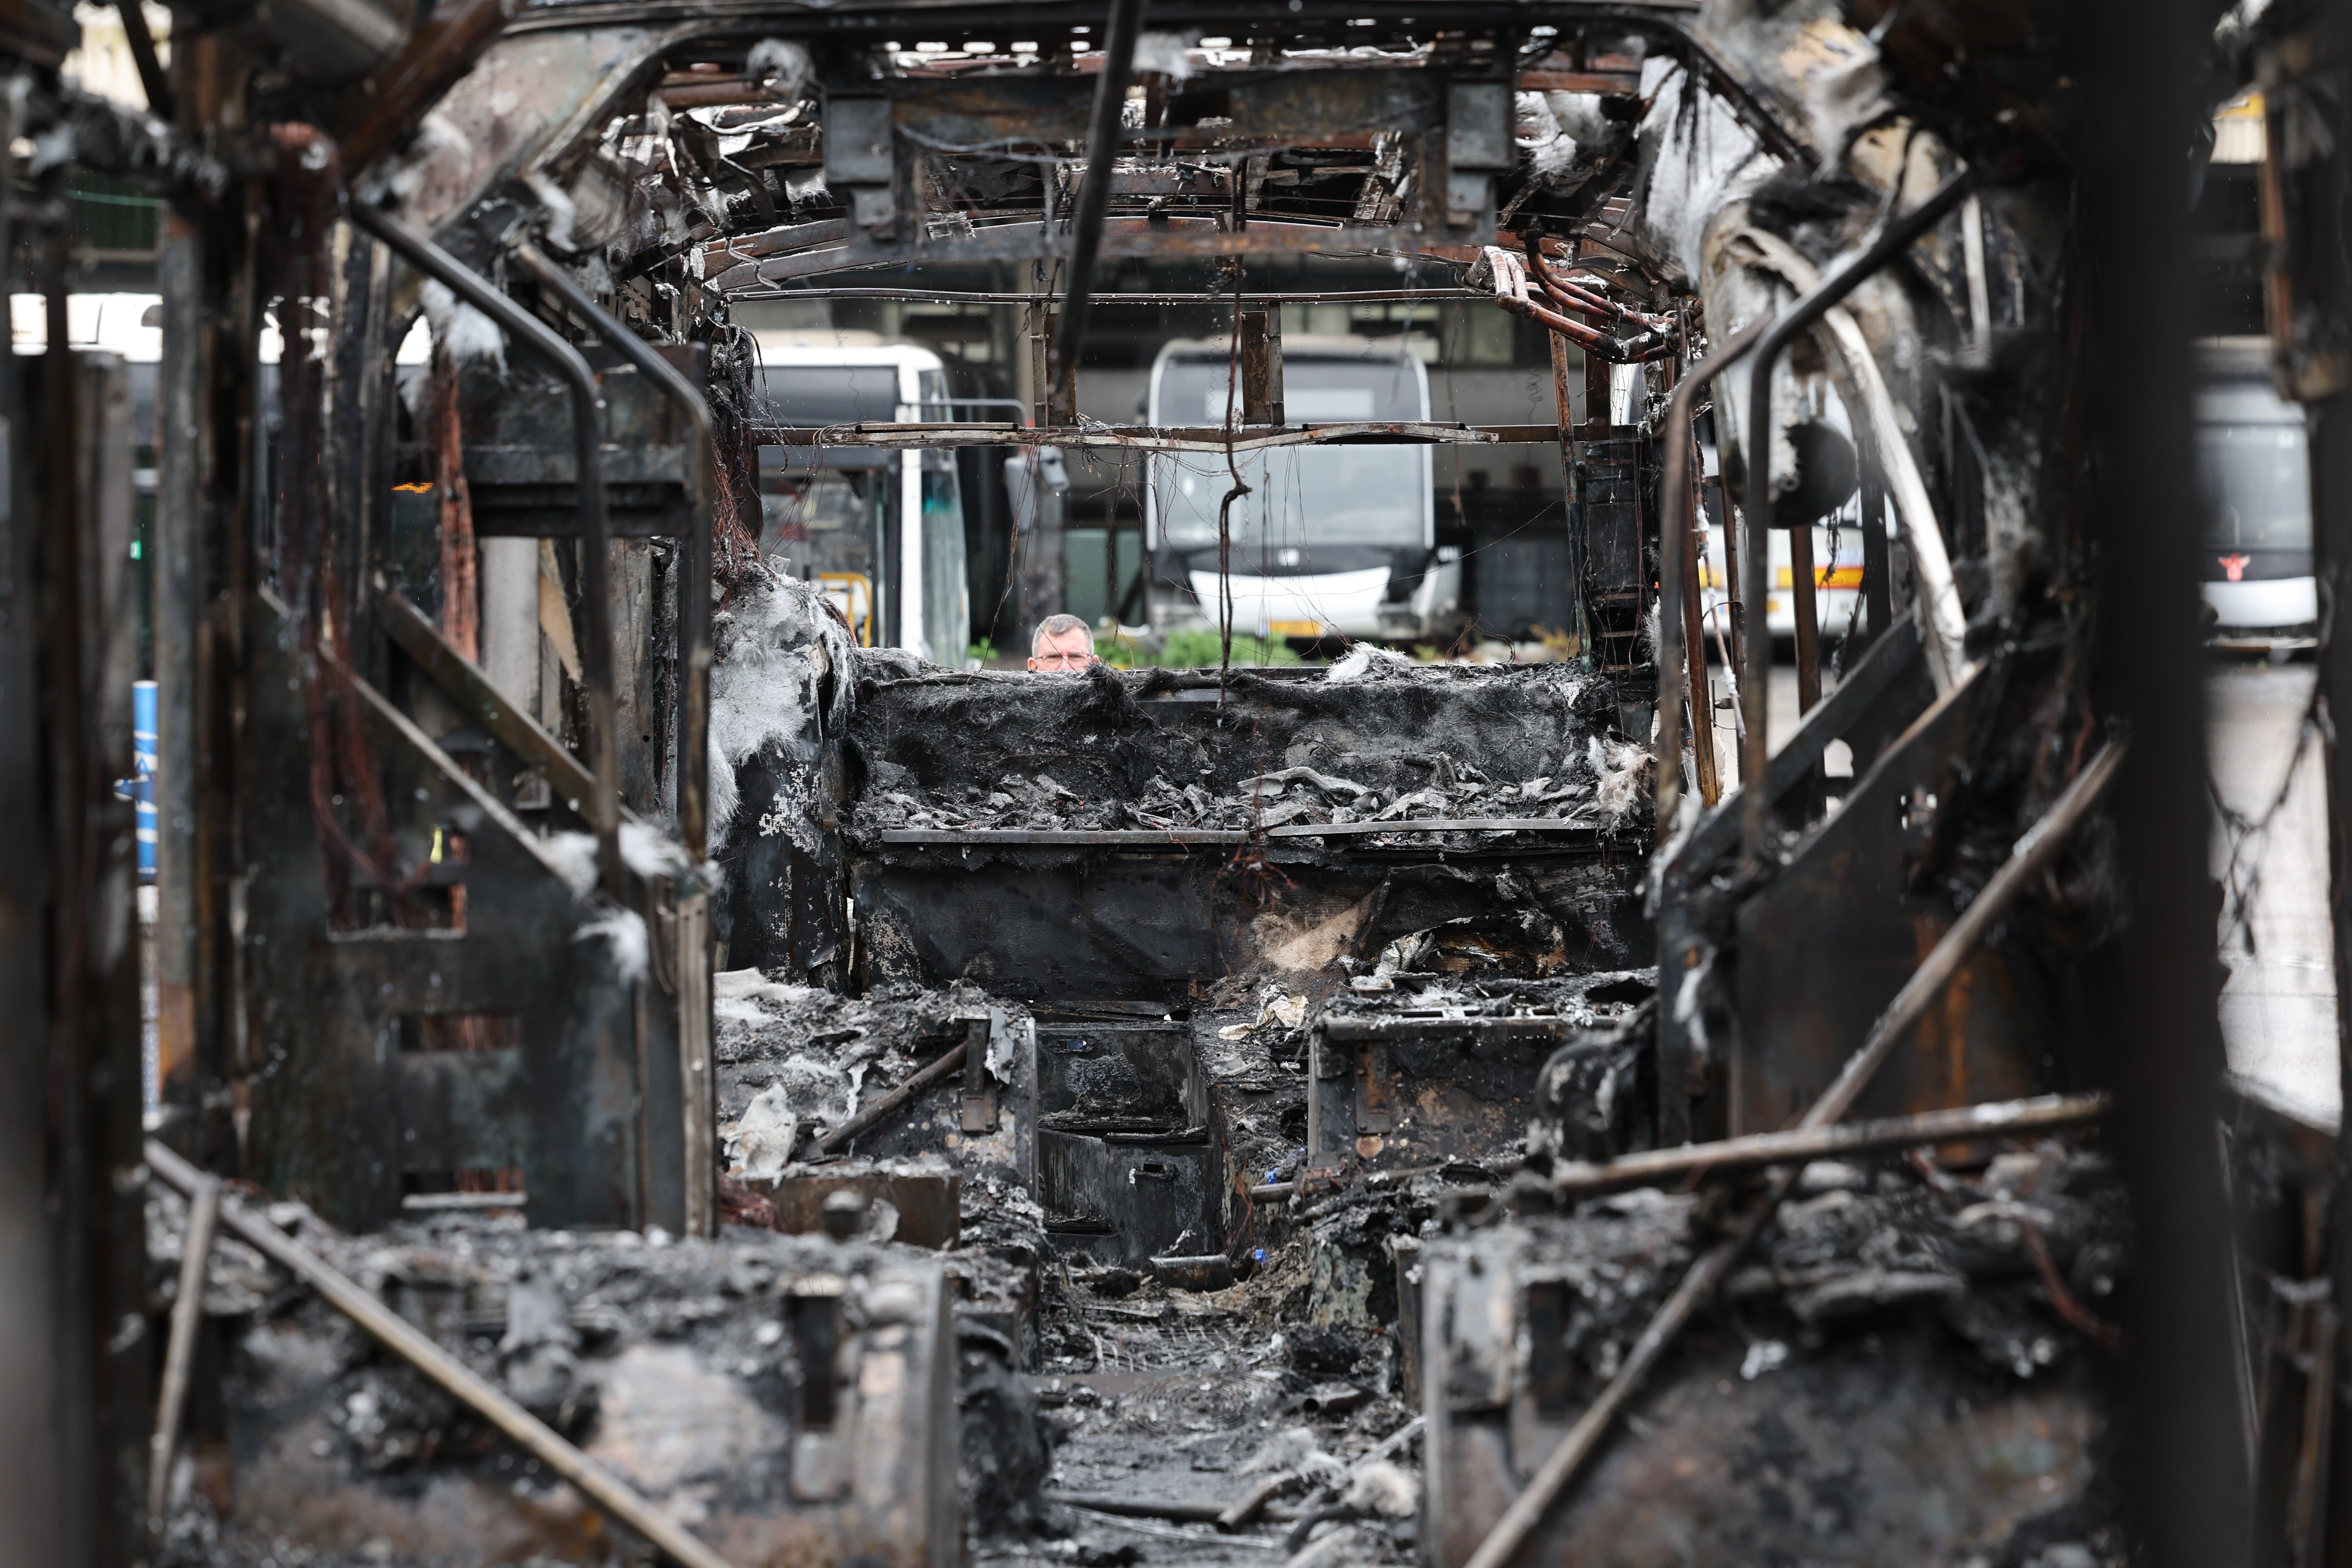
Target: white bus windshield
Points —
{"points": [[1338, 495], [2256, 484]]}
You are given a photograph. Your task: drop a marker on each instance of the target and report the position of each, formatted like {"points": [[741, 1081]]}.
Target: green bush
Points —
{"points": [[1198, 647]]}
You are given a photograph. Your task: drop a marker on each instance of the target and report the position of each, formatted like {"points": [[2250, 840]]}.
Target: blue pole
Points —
{"points": [[143, 772]]}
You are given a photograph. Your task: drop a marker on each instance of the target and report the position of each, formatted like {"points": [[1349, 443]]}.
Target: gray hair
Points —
{"points": [[1060, 626]]}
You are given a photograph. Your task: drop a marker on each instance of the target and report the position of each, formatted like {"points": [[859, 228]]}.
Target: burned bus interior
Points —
{"points": [[1602, 950]]}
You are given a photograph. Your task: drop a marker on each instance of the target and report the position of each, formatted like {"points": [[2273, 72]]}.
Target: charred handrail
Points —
{"points": [[1995, 1119], [602, 1486], [694, 597], [1094, 196], [1155, 297], [1677, 502], [1755, 560], [595, 558], [2030, 856]]}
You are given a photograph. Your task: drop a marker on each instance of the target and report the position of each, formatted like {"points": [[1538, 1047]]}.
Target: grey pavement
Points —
{"points": [[2278, 1005]]}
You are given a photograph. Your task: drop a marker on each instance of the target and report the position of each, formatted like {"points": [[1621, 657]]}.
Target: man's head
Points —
{"points": [[1063, 643]]}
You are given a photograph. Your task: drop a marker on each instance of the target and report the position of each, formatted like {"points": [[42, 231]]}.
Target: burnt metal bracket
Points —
{"points": [[978, 1085], [1375, 1090]]}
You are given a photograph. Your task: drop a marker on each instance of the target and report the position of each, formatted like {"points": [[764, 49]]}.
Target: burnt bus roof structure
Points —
{"points": [[553, 894]]}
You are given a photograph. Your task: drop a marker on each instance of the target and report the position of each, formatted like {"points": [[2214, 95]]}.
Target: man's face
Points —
{"points": [[1067, 650]]}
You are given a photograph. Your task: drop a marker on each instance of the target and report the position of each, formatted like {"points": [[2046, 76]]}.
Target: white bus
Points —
{"points": [[1330, 542], [880, 531], [2253, 468]]}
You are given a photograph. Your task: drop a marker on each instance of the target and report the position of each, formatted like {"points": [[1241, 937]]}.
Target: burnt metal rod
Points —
{"points": [[152, 79], [1094, 196], [1246, 1507], [1754, 560], [395, 96], [420, 639], [1141, 1508], [1679, 509], [2031, 855], [694, 592], [605, 1488], [930, 1074], [1376, 1180], [1997, 1119], [595, 558], [187, 1313]]}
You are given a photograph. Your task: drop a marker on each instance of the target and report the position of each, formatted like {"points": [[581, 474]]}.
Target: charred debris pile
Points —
{"points": [[1380, 1361], [1906, 1328], [1374, 739], [770, 1392]]}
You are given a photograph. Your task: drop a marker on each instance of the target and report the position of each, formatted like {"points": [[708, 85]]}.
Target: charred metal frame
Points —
{"points": [[64, 883], [588, 452], [1756, 559], [694, 608]]}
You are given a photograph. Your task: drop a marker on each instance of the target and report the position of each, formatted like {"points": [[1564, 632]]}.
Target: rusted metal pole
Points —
{"points": [[2028, 859], [188, 1313], [1563, 386], [1806, 610], [603, 1488], [1094, 196], [596, 557], [1756, 674]]}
